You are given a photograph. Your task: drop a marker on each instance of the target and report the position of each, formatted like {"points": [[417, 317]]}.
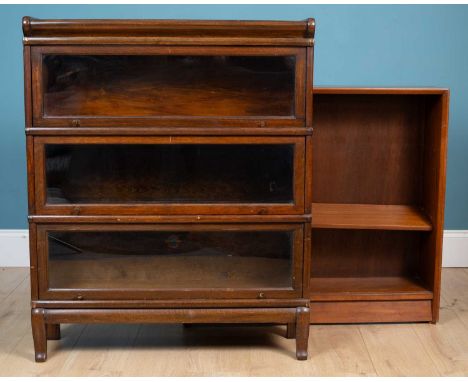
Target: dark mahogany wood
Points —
{"points": [[298, 317], [39, 334], [235, 315], [379, 91], [145, 183], [168, 32], [159, 83], [433, 200], [363, 196], [131, 86], [33, 266], [174, 131], [53, 331], [169, 172], [302, 332], [369, 216], [353, 312], [176, 303], [264, 261], [367, 149], [143, 219], [291, 330], [367, 289], [379, 159]]}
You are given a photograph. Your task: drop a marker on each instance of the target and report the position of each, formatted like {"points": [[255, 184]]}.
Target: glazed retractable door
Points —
{"points": [[169, 175], [167, 261], [168, 86]]}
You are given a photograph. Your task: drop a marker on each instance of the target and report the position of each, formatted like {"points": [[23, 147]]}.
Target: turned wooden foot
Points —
{"points": [[39, 334], [302, 332], [291, 330], [53, 331]]}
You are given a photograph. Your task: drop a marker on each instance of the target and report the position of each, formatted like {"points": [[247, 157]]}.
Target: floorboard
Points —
{"points": [[175, 350]]}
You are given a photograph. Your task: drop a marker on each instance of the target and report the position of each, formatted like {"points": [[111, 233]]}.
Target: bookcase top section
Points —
{"points": [[168, 32]]}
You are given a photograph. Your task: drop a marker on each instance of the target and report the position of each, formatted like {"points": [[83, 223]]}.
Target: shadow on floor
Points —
{"points": [[157, 336]]}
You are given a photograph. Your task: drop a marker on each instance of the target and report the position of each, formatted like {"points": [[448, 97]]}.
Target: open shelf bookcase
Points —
{"points": [[377, 204]]}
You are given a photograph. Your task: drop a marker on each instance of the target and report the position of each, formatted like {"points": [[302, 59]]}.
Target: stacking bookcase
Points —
{"points": [[169, 172]]}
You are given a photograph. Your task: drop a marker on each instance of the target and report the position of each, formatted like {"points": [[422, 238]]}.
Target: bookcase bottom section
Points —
{"points": [[370, 311], [46, 322]]}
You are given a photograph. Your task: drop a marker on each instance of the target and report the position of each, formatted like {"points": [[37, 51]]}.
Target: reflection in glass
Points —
{"points": [[183, 173], [145, 86], [170, 259]]}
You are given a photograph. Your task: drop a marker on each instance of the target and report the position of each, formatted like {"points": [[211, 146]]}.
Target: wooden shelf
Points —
{"points": [[367, 288], [369, 216], [193, 270]]}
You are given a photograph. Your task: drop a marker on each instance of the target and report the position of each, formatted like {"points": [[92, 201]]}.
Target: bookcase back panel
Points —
{"points": [[367, 148], [364, 253]]}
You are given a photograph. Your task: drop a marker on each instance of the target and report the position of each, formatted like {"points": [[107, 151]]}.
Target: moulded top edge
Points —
{"points": [[380, 90], [33, 27]]}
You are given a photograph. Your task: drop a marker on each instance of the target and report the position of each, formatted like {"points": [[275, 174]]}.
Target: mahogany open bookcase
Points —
{"points": [[378, 174], [189, 172]]}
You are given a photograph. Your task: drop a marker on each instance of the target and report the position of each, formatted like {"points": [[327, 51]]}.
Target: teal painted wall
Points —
{"points": [[362, 45]]}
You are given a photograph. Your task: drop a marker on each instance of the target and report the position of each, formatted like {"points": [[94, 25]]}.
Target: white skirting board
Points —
{"points": [[14, 248], [455, 250]]}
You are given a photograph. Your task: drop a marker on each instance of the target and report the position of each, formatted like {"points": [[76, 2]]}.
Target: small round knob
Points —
{"points": [[79, 297], [261, 295]]}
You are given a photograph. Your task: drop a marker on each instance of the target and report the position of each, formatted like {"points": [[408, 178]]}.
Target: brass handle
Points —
{"points": [[76, 123]]}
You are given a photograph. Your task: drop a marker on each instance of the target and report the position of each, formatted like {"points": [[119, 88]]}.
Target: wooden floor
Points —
{"points": [[172, 350]]}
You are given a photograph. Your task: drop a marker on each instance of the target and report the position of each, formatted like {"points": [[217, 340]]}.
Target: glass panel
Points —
{"points": [[179, 173], [145, 86], [170, 260]]}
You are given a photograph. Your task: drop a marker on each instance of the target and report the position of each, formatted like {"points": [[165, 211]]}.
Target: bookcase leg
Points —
{"points": [[302, 332], [291, 330], [53, 331], [39, 334]]}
